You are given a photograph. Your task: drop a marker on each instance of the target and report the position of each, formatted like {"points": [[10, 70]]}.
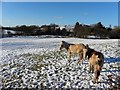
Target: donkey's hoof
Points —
{"points": [[93, 82], [78, 63], [89, 71]]}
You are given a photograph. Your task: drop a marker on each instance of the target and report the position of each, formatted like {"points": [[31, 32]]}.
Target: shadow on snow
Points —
{"points": [[112, 60]]}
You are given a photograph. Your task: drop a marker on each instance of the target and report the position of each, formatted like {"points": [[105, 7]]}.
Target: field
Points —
{"points": [[37, 62]]}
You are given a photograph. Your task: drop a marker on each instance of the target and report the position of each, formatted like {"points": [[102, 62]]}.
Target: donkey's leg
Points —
{"points": [[89, 67], [96, 76], [69, 56], [80, 57], [84, 53], [92, 69], [96, 73], [94, 79]]}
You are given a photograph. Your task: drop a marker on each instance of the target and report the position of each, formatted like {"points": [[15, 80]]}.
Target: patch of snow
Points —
{"points": [[37, 62]]}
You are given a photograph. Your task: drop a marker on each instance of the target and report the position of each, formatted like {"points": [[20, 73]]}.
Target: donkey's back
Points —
{"points": [[76, 48]]}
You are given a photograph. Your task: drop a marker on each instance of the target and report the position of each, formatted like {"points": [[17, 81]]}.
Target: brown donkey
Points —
{"points": [[96, 61], [75, 49]]}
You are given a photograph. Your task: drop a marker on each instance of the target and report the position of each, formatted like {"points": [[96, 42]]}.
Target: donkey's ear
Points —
{"points": [[87, 46], [63, 41]]}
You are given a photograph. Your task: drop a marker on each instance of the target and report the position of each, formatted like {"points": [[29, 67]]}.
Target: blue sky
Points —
{"points": [[60, 0], [39, 13]]}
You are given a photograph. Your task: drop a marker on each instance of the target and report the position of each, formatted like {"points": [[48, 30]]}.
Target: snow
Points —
{"points": [[7, 31], [37, 62]]}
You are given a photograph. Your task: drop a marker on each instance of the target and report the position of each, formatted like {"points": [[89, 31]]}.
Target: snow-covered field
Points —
{"points": [[36, 62]]}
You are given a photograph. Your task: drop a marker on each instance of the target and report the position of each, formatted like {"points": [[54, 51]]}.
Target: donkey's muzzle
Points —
{"points": [[60, 48]]}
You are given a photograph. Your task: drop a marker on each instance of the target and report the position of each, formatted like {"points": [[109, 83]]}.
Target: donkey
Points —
{"points": [[79, 49], [96, 61]]}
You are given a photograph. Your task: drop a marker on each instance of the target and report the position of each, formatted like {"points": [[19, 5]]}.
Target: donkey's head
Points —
{"points": [[62, 45], [87, 46], [85, 51]]}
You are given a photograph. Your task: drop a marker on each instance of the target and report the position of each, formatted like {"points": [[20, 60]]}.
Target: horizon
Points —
{"points": [[61, 13]]}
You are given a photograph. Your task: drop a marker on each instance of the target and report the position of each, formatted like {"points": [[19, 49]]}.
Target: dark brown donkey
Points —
{"points": [[96, 61]]}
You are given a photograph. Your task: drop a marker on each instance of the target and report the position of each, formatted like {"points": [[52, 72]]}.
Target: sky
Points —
{"points": [[61, 13], [60, 0]]}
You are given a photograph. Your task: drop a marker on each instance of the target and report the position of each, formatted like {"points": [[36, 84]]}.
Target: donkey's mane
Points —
{"points": [[92, 51], [89, 52], [66, 44]]}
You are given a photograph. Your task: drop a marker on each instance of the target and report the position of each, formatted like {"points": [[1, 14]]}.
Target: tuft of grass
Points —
{"points": [[35, 67], [37, 57], [3, 65], [116, 66]]}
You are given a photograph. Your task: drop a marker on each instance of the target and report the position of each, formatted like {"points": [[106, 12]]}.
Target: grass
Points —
{"points": [[116, 66], [36, 67], [35, 62], [44, 59]]}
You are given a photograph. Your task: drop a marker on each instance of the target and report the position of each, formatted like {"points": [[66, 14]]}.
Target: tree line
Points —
{"points": [[34, 30], [98, 30], [80, 30]]}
